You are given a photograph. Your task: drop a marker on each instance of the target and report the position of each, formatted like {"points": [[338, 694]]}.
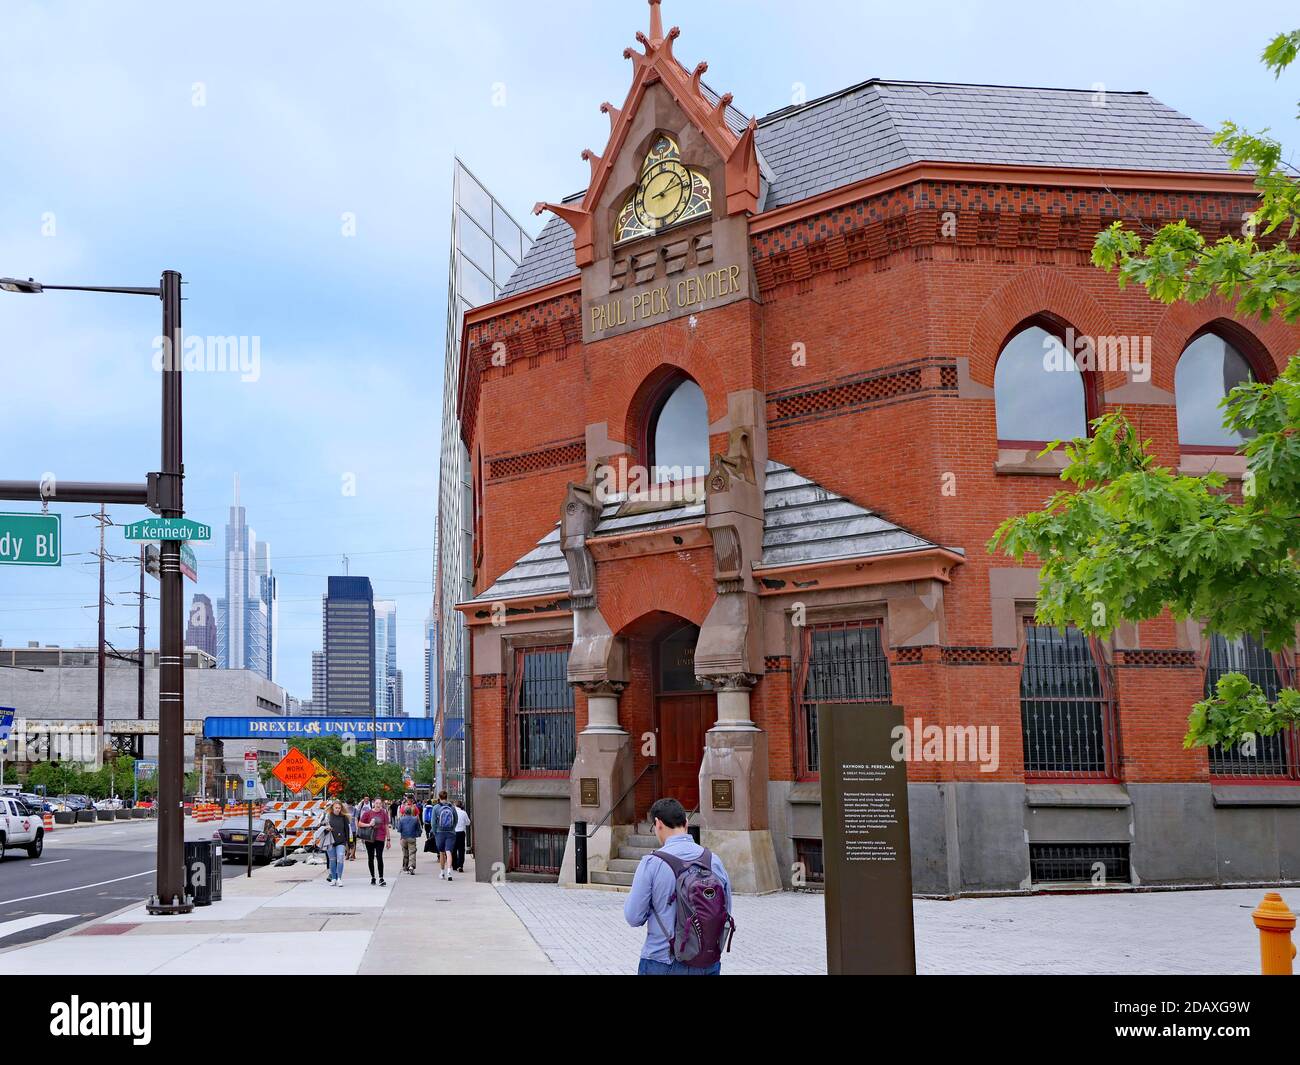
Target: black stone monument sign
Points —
{"points": [[866, 853]]}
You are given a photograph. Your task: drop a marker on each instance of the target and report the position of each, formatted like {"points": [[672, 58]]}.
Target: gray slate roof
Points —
{"points": [[802, 523], [878, 126]]}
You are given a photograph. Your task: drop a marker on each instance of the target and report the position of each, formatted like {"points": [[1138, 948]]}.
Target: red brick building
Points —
{"points": [[740, 431]]}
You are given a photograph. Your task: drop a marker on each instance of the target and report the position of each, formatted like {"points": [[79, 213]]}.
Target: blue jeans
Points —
{"points": [[335, 855], [648, 967]]}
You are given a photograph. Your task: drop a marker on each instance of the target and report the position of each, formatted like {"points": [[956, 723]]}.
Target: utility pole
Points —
{"points": [[139, 692], [101, 516]]}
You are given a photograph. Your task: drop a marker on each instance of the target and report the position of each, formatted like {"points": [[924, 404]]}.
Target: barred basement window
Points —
{"points": [[840, 663], [542, 737], [1065, 706], [1272, 756], [535, 850], [1075, 863], [808, 853]]}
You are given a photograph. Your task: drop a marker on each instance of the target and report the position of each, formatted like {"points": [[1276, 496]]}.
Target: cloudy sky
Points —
{"points": [[293, 160]]}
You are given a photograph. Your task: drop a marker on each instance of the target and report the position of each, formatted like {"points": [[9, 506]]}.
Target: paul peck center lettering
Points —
{"points": [[685, 292]]}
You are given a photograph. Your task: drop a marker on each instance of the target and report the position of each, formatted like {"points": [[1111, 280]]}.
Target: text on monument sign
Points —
{"points": [[662, 299]]}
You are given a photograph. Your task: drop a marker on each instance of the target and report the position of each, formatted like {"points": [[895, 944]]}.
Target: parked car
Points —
{"points": [[109, 804], [20, 827], [267, 841]]}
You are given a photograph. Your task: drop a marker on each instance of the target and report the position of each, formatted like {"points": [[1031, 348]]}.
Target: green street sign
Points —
{"points": [[30, 540], [167, 529], [189, 564]]}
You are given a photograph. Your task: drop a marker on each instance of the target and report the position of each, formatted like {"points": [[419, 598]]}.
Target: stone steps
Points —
{"points": [[612, 878]]}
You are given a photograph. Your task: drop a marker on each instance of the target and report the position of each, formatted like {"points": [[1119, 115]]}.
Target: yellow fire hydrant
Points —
{"points": [[1275, 923]]}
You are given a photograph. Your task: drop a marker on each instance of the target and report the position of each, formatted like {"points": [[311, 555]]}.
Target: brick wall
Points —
{"points": [[869, 314]]}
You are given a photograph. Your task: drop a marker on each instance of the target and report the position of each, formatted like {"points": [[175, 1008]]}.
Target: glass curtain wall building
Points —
{"points": [[385, 656], [487, 245], [246, 617]]}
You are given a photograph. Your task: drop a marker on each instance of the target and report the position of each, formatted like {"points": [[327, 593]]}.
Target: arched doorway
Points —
{"points": [[684, 712]]}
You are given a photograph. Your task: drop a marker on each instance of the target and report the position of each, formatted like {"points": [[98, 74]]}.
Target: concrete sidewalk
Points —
{"points": [[288, 920]]}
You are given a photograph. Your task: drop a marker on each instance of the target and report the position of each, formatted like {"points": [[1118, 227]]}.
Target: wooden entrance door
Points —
{"points": [[683, 721]]}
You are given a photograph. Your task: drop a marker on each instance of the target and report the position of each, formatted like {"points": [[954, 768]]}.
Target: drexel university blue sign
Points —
{"points": [[288, 728]]}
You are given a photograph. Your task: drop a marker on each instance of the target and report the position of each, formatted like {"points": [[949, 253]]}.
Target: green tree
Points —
{"points": [[426, 769], [1132, 539]]}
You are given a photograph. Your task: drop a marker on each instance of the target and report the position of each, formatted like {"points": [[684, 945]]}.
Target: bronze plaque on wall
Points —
{"points": [[723, 795], [589, 791], [866, 852]]}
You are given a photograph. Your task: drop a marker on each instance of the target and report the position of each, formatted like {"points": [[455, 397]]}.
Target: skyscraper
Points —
{"points": [[349, 620], [201, 631], [246, 617], [486, 247], [385, 654], [318, 682]]}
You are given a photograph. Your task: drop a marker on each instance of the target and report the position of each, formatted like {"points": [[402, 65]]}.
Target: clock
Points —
{"points": [[663, 194], [667, 192]]}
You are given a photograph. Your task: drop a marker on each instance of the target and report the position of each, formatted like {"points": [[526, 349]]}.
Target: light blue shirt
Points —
{"points": [[652, 887]]}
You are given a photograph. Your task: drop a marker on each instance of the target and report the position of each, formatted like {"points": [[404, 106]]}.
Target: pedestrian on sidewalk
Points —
{"points": [[682, 895], [408, 827], [444, 833], [427, 818], [373, 832], [361, 808], [338, 831], [350, 852], [462, 831]]}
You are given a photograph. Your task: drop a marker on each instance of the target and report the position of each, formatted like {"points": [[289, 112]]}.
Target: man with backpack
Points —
{"points": [[444, 833], [682, 895]]}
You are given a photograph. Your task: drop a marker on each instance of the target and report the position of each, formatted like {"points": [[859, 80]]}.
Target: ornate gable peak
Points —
{"points": [[656, 63]]}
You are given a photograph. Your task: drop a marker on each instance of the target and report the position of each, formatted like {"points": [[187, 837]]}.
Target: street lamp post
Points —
{"points": [[162, 493]]}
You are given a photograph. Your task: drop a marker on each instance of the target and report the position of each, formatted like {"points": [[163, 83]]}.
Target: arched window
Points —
{"points": [[677, 432], [1040, 393], [1208, 370]]}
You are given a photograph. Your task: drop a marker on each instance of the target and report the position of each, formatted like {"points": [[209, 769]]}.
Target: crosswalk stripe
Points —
{"points": [[8, 928]]}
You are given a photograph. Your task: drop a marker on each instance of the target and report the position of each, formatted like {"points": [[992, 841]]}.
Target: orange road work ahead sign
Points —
{"points": [[294, 770]]}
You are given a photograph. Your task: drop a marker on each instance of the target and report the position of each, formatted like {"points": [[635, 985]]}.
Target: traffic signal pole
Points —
{"points": [[163, 494], [171, 896]]}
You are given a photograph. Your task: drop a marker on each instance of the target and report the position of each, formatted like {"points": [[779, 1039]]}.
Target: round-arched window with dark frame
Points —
{"points": [[1209, 368], [677, 432], [1040, 393]]}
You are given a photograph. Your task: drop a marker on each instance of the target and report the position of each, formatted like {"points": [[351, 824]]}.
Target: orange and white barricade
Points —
{"points": [[298, 821], [48, 819]]}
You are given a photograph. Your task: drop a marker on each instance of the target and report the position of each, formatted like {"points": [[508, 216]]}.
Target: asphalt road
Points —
{"points": [[84, 873]]}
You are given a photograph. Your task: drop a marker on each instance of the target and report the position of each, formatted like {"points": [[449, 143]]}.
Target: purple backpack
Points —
{"points": [[702, 918]]}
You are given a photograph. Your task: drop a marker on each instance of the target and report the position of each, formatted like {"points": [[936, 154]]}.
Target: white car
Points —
{"points": [[20, 827], [109, 804]]}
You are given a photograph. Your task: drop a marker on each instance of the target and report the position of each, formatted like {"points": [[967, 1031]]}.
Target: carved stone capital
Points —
{"points": [[613, 688], [729, 682]]}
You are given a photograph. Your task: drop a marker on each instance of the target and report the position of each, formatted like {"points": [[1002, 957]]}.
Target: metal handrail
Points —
{"points": [[614, 806]]}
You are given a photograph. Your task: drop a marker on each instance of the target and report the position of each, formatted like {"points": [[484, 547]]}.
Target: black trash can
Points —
{"points": [[203, 870]]}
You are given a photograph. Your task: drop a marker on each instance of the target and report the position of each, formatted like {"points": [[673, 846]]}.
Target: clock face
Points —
{"points": [[663, 194]]}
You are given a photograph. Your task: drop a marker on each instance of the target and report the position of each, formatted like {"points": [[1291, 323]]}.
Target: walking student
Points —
{"points": [[408, 828], [444, 833], [427, 817], [682, 895], [372, 830], [338, 833], [462, 830]]}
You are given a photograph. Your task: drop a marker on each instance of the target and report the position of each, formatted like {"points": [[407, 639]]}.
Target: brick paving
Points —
{"points": [[1187, 932]]}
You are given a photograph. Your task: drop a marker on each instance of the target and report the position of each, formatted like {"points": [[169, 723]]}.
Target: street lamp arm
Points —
{"points": [[15, 284]]}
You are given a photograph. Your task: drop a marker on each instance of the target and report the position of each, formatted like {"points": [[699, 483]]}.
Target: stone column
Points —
{"points": [[601, 774], [733, 790]]}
